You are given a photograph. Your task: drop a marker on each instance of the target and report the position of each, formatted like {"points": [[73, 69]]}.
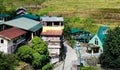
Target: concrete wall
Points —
{"points": [[3, 46], [45, 28], [54, 50]]}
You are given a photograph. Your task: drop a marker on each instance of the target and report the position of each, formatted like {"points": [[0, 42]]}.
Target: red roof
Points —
{"points": [[12, 33], [52, 32]]}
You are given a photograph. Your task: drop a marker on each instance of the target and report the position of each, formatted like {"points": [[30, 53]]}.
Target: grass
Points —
{"points": [[78, 5]]}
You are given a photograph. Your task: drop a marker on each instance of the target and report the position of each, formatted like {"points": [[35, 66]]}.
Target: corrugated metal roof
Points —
{"points": [[75, 30], [52, 32], [25, 23], [4, 15], [28, 16], [11, 33], [100, 33], [53, 18]]}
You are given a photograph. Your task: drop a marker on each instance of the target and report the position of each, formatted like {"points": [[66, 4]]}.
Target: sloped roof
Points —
{"points": [[75, 30], [11, 33], [100, 33], [4, 15], [30, 16], [52, 32], [25, 23], [53, 18]]}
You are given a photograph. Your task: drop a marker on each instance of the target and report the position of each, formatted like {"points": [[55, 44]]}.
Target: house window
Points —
{"points": [[56, 23], [49, 23], [2, 41], [96, 41]]}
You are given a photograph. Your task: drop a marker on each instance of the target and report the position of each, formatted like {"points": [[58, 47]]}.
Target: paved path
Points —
{"points": [[70, 56]]}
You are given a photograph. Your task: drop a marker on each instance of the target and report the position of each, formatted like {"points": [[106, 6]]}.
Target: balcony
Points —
{"points": [[54, 45], [19, 40]]}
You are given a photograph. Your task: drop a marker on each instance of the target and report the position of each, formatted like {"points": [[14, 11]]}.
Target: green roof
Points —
{"points": [[100, 33], [4, 15], [75, 30], [28, 16], [25, 23]]}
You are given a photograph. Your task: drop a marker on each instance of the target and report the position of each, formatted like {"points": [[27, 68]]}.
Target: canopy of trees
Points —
{"points": [[111, 55], [36, 53], [8, 61]]}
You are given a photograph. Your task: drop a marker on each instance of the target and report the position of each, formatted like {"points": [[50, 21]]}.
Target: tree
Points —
{"points": [[39, 46], [111, 54], [25, 53], [67, 29], [8, 61], [35, 53]]}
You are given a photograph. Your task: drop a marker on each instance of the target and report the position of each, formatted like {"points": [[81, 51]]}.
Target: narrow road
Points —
{"points": [[70, 56]]}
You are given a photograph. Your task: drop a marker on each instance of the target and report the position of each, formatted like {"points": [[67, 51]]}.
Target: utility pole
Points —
{"points": [[79, 57]]}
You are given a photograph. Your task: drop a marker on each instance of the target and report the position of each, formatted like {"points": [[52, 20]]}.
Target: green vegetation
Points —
{"points": [[111, 54], [8, 61], [36, 54], [83, 23]]}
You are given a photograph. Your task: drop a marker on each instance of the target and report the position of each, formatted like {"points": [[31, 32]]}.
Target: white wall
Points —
{"points": [[6, 46], [3, 46]]}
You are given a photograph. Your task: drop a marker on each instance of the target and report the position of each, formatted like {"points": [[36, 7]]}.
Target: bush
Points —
{"points": [[25, 53], [48, 66]]}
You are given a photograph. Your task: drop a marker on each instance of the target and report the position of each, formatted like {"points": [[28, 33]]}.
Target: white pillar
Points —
{"points": [[32, 35], [52, 23], [59, 23]]}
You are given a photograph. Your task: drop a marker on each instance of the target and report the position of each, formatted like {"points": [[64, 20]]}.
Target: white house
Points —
{"points": [[10, 39]]}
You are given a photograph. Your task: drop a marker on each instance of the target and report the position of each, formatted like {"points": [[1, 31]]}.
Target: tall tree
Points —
{"points": [[111, 54]]}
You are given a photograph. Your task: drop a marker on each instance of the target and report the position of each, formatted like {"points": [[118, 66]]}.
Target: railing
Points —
{"points": [[18, 41]]}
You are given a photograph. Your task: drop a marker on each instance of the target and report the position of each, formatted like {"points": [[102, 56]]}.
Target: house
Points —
{"points": [[98, 39], [3, 18], [32, 27], [52, 23], [52, 33], [80, 35], [10, 39], [54, 40]]}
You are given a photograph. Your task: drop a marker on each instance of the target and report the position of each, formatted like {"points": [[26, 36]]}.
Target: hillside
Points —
{"points": [[78, 13]]}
